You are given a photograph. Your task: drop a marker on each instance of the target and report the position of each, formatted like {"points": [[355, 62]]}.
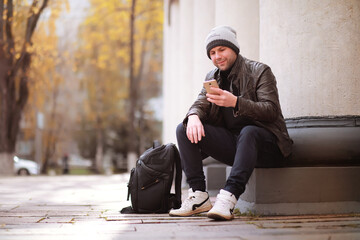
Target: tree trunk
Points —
{"points": [[133, 80], [6, 163], [13, 96], [99, 147], [12, 102], [53, 133], [133, 91]]}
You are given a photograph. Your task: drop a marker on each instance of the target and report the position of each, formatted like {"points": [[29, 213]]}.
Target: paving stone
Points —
{"points": [[87, 207], [18, 220]]}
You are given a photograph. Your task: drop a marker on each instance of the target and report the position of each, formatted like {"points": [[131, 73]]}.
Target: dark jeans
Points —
{"points": [[252, 147]]}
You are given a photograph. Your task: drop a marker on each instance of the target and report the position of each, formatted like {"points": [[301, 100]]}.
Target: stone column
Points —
{"points": [[313, 48], [185, 60], [243, 16], [204, 11], [171, 54]]}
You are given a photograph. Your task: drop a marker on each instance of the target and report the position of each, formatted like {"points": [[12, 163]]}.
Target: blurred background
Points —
{"points": [[87, 85]]}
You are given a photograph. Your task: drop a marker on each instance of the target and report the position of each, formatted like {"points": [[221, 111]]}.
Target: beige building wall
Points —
{"points": [[312, 46]]}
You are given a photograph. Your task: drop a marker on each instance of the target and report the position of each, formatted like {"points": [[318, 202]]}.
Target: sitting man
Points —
{"points": [[239, 124]]}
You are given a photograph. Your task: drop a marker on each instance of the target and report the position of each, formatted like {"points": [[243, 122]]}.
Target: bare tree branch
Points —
{"points": [[8, 27], [1, 22], [30, 27], [139, 14], [122, 9], [33, 19]]}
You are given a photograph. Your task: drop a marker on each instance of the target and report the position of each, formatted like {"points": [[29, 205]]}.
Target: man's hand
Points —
{"points": [[195, 129], [221, 97]]}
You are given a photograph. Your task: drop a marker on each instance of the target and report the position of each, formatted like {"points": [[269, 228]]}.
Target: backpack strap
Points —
{"points": [[156, 144], [178, 178]]}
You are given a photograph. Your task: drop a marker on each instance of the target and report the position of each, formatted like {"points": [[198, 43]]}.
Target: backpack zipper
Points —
{"points": [[150, 184]]}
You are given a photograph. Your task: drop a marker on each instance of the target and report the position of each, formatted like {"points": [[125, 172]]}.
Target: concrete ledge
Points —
{"points": [[298, 208], [215, 176], [302, 190], [324, 141]]}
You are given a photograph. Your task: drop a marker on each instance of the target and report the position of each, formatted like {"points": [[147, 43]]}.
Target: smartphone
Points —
{"points": [[210, 83]]}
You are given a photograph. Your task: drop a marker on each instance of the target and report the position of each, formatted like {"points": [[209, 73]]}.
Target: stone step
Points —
{"points": [[302, 190]]}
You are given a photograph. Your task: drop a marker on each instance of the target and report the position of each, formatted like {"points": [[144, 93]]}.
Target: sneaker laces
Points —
{"points": [[188, 200], [225, 201]]}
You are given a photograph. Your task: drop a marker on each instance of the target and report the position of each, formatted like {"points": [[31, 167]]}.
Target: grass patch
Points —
{"points": [[80, 171], [249, 213]]}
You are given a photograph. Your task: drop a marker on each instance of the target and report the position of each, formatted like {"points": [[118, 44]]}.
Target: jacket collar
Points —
{"points": [[236, 67]]}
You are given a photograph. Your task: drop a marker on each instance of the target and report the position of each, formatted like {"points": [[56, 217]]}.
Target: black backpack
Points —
{"points": [[151, 180]]}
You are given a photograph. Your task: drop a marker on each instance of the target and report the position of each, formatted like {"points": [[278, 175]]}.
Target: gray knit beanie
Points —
{"points": [[222, 36]]}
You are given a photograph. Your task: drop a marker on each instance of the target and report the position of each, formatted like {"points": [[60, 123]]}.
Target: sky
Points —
{"points": [[69, 22]]}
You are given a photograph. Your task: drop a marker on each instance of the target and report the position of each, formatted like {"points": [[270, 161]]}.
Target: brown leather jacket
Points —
{"points": [[258, 100]]}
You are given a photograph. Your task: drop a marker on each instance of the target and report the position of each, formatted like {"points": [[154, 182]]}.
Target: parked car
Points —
{"points": [[25, 167]]}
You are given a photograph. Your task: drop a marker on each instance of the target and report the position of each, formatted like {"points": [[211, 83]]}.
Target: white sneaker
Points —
{"points": [[224, 206], [197, 202]]}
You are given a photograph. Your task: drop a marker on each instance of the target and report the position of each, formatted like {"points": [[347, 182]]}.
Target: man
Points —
{"points": [[239, 124]]}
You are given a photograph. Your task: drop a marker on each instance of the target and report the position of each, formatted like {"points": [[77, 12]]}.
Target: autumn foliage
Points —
{"points": [[93, 89], [18, 21]]}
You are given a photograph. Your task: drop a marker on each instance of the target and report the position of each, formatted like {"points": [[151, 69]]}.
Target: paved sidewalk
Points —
{"points": [[87, 207]]}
